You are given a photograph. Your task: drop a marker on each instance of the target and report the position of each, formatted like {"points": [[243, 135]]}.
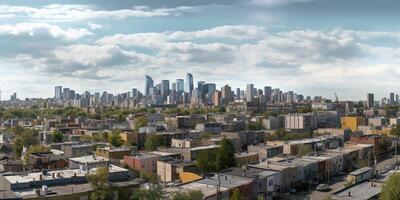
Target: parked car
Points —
{"points": [[322, 187]]}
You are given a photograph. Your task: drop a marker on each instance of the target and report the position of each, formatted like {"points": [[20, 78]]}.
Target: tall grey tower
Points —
{"points": [[148, 84], [189, 83]]}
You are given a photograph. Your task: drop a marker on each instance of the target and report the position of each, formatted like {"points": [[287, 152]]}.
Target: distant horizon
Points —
{"points": [[157, 81], [313, 47]]}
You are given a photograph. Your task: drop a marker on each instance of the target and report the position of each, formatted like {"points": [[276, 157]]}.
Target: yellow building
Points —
{"points": [[352, 123]]}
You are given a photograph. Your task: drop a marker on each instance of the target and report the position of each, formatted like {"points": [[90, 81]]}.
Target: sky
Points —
{"points": [[313, 47]]}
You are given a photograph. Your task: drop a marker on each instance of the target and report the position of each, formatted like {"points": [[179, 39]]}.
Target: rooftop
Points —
{"points": [[226, 181], [89, 159], [358, 192]]}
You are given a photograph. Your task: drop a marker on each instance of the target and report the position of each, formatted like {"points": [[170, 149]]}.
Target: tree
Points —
{"points": [[236, 195], [391, 189], [304, 150], [57, 137], [115, 139], [225, 155], [152, 192], [140, 122], [153, 142], [35, 149], [192, 195], [99, 183], [24, 138], [205, 160]]}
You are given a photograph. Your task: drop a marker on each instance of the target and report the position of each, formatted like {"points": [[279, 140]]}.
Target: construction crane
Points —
{"points": [[337, 98]]}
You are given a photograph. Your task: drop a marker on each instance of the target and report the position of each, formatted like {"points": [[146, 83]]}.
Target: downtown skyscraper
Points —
{"points": [[148, 84], [189, 83]]}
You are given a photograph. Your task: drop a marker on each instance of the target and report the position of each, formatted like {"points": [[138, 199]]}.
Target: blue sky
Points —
{"points": [[314, 47]]}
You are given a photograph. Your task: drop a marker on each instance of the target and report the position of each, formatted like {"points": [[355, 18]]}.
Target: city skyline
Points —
{"points": [[314, 47]]}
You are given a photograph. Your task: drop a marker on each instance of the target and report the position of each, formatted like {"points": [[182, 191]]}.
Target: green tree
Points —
{"points": [[115, 139], [153, 142], [205, 161], [152, 192], [391, 189], [192, 195], [140, 122], [304, 150], [57, 137], [225, 155], [24, 138], [35, 149], [236, 195], [99, 183]]}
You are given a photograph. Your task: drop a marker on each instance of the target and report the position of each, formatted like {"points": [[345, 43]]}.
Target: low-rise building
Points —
{"points": [[66, 184], [143, 162], [352, 123], [113, 152], [190, 154], [169, 170], [10, 165], [244, 158], [47, 160], [266, 151], [76, 150], [266, 181], [87, 162]]}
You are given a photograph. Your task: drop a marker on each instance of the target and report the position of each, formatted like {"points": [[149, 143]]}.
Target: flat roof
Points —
{"points": [[89, 159], [67, 173], [227, 181], [360, 191], [361, 171], [205, 147]]}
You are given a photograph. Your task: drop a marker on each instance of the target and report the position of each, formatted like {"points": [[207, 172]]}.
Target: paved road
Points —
{"points": [[338, 184], [334, 185]]}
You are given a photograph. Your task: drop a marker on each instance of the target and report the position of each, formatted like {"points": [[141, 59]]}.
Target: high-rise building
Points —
{"points": [[226, 95], [148, 84], [216, 100], [268, 93], [13, 97], [58, 92], [290, 97], [189, 83], [392, 98], [180, 86], [250, 92], [370, 100], [276, 95], [238, 93], [134, 92], [211, 87], [66, 93], [164, 89], [173, 87]]}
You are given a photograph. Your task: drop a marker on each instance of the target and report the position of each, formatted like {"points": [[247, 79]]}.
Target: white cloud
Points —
{"points": [[274, 2], [297, 60], [76, 12], [32, 29], [94, 26]]}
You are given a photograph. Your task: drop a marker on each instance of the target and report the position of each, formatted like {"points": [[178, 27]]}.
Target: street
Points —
{"points": [[338, 182]]}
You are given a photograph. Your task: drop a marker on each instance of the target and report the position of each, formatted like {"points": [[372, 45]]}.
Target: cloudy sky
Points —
{"points": [[314, 47]]}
